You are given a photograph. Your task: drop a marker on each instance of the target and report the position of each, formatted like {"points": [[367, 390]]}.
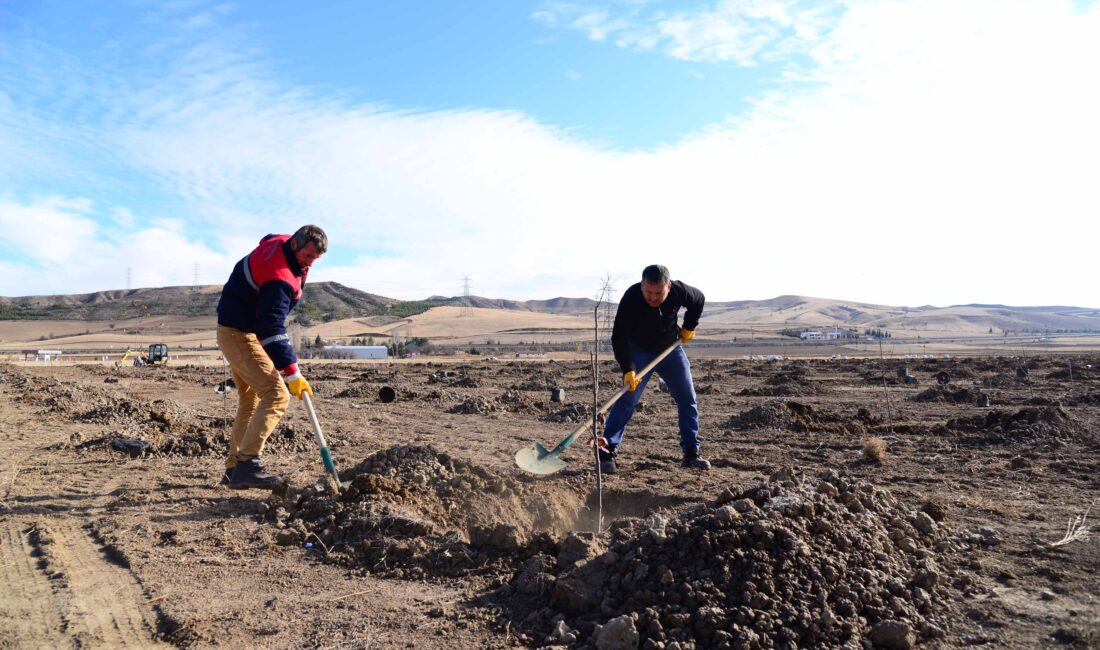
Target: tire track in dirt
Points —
{"points": [[30, 612], [62, 586], [94, 600]]}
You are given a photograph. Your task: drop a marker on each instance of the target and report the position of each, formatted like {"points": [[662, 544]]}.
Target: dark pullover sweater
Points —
{"points": [[653, 328]]}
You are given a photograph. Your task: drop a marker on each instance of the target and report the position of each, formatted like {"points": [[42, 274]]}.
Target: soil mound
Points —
{"points": [[795, 372], [946, 394], [1000, 381], [453, 379], [574, 413], [802, 389], [538, 383], [791, 381], [286, 439], [822, 563], [441, 396], [359, 391], [1082, 398], [476, 406], [1076, 373], [412, 511], [162, 414], [166, 426], [1029, 424], [515, 401], [798, 417], [877, 378]]}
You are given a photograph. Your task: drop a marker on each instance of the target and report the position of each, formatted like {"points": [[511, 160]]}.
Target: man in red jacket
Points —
{"points": [[252, 313]]}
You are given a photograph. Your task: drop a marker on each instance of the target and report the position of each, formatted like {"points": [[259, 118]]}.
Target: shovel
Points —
{"points": [[326, 457], [540, 460]]}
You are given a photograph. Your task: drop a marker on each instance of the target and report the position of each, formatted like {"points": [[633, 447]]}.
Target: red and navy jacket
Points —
{"points": [[261, 291]]}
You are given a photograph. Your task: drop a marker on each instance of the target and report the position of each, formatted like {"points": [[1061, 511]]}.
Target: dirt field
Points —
{"points": [[807, 532]]}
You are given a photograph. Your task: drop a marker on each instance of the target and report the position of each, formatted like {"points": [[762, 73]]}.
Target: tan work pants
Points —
{"points": [[262, 396]]}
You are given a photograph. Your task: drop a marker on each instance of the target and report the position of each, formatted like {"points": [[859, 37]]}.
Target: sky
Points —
{"points": [[910, 152]]}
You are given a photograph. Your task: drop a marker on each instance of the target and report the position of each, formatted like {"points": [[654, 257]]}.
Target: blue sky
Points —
{"points": [[900, 152]]}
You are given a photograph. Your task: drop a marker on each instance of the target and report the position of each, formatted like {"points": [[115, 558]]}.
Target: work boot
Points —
{"points": [[226, 476], [607, 460], [251, 474], [692, 461]]}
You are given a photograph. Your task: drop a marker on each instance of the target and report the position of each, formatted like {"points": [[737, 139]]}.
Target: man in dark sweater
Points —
{"points": [[645, 326]]}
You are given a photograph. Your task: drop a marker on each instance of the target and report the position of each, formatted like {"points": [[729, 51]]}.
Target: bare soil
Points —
{"points": [[795, 538]]}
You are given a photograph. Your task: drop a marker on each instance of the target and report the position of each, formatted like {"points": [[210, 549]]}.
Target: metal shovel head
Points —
{"points": [[331, 485], [538, 460]]}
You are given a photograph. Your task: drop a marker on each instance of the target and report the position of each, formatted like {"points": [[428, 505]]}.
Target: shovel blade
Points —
{"points": [[538, 460]]}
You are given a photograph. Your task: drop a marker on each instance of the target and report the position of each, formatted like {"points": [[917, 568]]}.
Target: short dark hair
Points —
{"points": [[311, 233], [655, 274]]}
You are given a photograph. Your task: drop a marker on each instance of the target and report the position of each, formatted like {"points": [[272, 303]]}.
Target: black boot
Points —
{"points": [[251, 474], [226, 476], [693, 461], [607, 460]]}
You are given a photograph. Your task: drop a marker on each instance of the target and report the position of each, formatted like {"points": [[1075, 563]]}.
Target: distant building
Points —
{"points": [[355, 352], [813, 335], [41, 355]]}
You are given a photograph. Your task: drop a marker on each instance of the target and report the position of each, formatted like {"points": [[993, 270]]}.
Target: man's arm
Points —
{"points": [[620, 335], [272, 308], [693, 302]]}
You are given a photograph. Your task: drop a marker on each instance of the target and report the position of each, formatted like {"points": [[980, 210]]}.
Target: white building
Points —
{"points": [[42, 355], [812, 336], [355, 352]]}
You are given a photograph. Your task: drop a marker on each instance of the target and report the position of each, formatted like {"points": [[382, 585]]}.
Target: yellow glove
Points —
{"points": [[686, 335], [631, 381], [298, 385]]}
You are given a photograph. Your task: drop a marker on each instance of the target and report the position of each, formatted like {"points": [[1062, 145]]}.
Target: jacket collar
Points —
{"points": [[292, 260]]}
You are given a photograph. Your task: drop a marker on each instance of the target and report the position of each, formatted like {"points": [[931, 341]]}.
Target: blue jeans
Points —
{"points": [[676, 371]]}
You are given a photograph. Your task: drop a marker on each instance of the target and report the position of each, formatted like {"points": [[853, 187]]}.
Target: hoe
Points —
{"points": [[326, 457]]}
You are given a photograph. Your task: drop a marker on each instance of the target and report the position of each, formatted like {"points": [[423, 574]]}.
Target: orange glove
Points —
{"points": [[631, 381], [686, 335]]}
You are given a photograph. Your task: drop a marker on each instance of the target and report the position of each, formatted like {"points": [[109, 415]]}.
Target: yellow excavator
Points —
{"points": [[156, 356]]}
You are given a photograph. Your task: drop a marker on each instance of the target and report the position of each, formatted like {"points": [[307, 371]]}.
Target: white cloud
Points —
{"points": [[935, 157], [123, 217], [739, 31], [58, 247], [51, 231]]}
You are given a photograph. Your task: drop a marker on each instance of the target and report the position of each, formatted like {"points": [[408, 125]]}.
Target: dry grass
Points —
{"points": [[1076, 530], [11, 485], [998, 506], [874, 450]]}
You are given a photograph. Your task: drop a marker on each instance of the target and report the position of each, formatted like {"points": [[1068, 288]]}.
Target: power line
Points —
{"points": [[129, 276]]}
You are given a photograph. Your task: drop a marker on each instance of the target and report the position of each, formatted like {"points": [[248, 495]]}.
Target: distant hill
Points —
{"points": [[551, 306], [113, 305], [322, 301], [330, 301], [806, 312]]}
